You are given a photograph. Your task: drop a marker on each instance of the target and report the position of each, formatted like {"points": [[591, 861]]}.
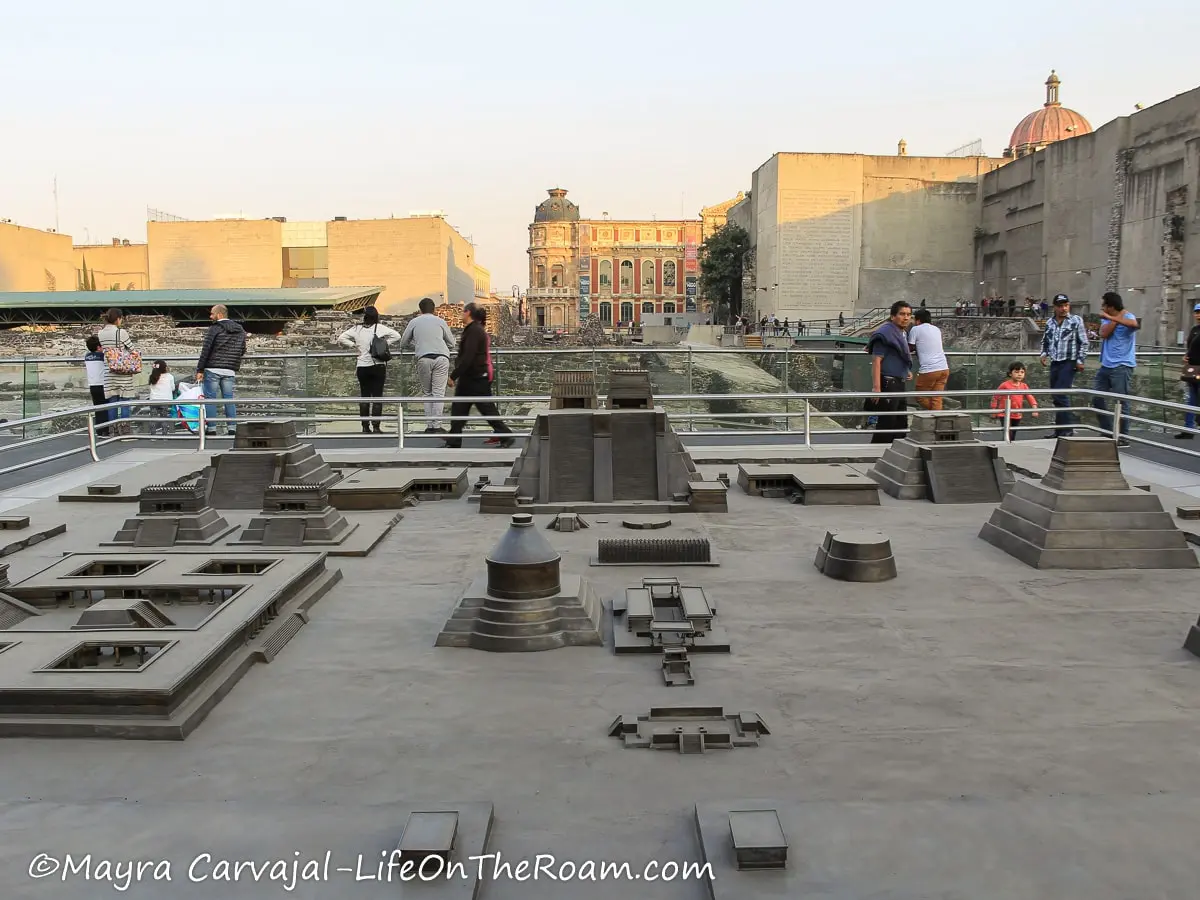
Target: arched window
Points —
{"points": [[605, 313], [669, 273], [626, 276], [541, 276], [647, 307], [556, 276], [647, 276], [627, 308], [668, 307], [606, 275]]}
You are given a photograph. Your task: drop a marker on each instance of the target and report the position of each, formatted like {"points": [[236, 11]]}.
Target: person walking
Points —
{"points": [[891, 367], [1118, 359], [1009, 405], [926, 339], [220, 361], [472, 377], [1064, 350], [432, 343], [373, 342], [1190, 376], [122, 362]]}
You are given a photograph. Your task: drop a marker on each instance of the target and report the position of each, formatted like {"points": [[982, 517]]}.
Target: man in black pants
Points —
{"points": [[472, 377], [891, 369]]}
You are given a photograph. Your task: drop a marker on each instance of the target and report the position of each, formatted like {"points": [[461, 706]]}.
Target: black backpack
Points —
{"points": [[380, 351]]}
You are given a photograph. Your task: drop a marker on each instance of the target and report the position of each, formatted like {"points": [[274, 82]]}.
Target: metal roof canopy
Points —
{"points": [[249, 304]]}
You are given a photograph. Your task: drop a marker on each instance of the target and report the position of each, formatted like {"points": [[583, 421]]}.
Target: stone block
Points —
{"points": [[689, 729], [676, 668], [13, 523], [1192, 642], [833, 485], [104, 490], [864, 556], [1188, 512], [646, 524], [428, 834], [568, 522], [665, 551], [758, 839]]}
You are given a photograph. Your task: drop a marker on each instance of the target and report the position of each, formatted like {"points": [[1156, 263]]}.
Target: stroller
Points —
{"points": [[187, 409]]}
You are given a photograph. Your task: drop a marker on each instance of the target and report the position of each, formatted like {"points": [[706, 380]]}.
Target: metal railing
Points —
{"points": [[794, 419]]}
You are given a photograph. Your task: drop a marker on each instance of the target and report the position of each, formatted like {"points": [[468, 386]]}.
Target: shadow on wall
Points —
{"points": [[460, 284], [914, 243]]}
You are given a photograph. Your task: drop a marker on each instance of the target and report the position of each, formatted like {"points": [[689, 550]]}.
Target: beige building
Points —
{"points": [[834, 232], [411, 258], [614, 269], [1114, 210], [33, 260], [121, 263]]}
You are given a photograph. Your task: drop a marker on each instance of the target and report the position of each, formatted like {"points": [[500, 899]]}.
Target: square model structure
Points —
{"points": [[625, 459], [265, 453]]}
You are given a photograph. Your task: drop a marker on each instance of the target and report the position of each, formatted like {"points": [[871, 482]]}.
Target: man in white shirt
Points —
{"points": [[926, 339], [432, 343]]}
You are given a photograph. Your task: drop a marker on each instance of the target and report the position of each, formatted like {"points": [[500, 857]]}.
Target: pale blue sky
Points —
{"points": [[367, 108]]}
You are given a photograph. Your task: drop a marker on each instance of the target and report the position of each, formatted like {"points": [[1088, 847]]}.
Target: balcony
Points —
{"points": [[551, 293]]}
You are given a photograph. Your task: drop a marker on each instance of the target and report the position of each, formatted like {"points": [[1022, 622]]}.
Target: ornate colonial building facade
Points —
{"points": [[613, 269]]}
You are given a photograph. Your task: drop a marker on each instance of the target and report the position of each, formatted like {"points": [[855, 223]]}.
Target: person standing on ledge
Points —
{"points": [[934, 371], [370, 368], [1118, 359], [220, 360], [1191, 362], [432, 343], [472, 377], [1064, 349], [891, 367]]}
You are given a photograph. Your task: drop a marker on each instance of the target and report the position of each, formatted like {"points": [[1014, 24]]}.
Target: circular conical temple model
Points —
{"points": [[523, 565]]}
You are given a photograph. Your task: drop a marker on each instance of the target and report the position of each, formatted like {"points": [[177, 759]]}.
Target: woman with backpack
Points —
{"points": [[373, 342], [122, 363]]}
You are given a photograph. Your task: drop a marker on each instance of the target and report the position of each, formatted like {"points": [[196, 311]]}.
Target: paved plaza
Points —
{"points": [[974, 728]]}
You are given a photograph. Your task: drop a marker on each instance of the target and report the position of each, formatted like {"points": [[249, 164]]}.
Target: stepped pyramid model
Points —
{"points": [[265, 453], [1083, 515], [941, 460], [524, 603]]}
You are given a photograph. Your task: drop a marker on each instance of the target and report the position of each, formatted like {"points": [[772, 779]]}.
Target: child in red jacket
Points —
{"points": [[1014, 382]]}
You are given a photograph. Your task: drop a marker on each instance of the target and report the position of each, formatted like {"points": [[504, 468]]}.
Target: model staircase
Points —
{"points": [[753, 342]]}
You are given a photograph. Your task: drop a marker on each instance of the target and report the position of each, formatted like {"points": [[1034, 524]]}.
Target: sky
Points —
{"points": [[372, 108]]}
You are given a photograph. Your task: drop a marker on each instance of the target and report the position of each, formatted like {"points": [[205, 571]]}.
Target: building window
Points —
{"points": [[626, 276], [647, 307], [556, 276], [626, 311], [606, 275], [669, 273], [647, 276], [605, 313], [541, 276], [668, 307]]}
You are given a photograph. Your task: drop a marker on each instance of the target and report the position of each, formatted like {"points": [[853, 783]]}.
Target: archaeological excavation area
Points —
{"points": [[938, 669]]}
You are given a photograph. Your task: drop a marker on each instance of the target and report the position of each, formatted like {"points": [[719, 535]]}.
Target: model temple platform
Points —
{"points": [[524, 603], [940, 460], [133, 645], [171, 515], [1084, 515], [265, 453], [957, 732]]}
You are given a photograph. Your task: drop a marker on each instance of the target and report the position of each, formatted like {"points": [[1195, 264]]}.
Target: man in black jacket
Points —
{"points": [[1191, 359], [471, 377], [220, 360]]}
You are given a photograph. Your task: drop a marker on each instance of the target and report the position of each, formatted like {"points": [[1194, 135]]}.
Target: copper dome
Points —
{"points": [[1053, 122]]}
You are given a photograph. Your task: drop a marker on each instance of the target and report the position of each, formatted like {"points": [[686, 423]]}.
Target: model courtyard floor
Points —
{"points": [[972, 729]]}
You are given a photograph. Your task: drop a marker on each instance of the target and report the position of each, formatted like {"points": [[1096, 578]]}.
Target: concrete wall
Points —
{"points": [[231, 253], [412, 258], [33, 260], [839, 232], [1091, 214], [126, 266]]}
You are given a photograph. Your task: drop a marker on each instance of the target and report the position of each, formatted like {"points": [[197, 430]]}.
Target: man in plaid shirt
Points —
{"points": [[1064, 349]]}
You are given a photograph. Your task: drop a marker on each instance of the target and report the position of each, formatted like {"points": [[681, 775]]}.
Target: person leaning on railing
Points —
{"points": [[891, 367]]}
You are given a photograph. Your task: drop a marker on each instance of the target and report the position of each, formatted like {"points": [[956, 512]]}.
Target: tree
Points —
{"points": [[721, 259]]}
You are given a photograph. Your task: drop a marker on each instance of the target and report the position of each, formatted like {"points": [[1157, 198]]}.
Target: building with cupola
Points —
{"points": [[614, 269], [1042, 127]]}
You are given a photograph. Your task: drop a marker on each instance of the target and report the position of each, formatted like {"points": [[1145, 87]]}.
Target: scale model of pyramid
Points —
{"points": [[941, 460], [265, 453], [1083, 515]]}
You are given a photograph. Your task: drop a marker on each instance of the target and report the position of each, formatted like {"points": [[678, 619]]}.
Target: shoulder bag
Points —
{"points": [[1190, 374], [122, 361], [380, 351]]}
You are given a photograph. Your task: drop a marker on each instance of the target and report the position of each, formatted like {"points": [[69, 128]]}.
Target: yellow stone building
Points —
{"points": [[34, 260], [122, 264], [614, 269]]}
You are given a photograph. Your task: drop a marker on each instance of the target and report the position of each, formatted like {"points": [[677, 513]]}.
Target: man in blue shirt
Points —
{"points": [[1118, 358], [891, 368]]}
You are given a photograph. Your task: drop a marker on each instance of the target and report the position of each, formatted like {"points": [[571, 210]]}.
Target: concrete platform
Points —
{"points": [[834, 484], [389, 488], [367, 529], [171, 470], [958, 733]]}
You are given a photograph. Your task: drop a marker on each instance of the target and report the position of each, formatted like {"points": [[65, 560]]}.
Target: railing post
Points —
{"points": [[1007, 417], [691, 390], [1116, 421], [400, 426], [807, 424], [91, 434], [202, 425]]}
